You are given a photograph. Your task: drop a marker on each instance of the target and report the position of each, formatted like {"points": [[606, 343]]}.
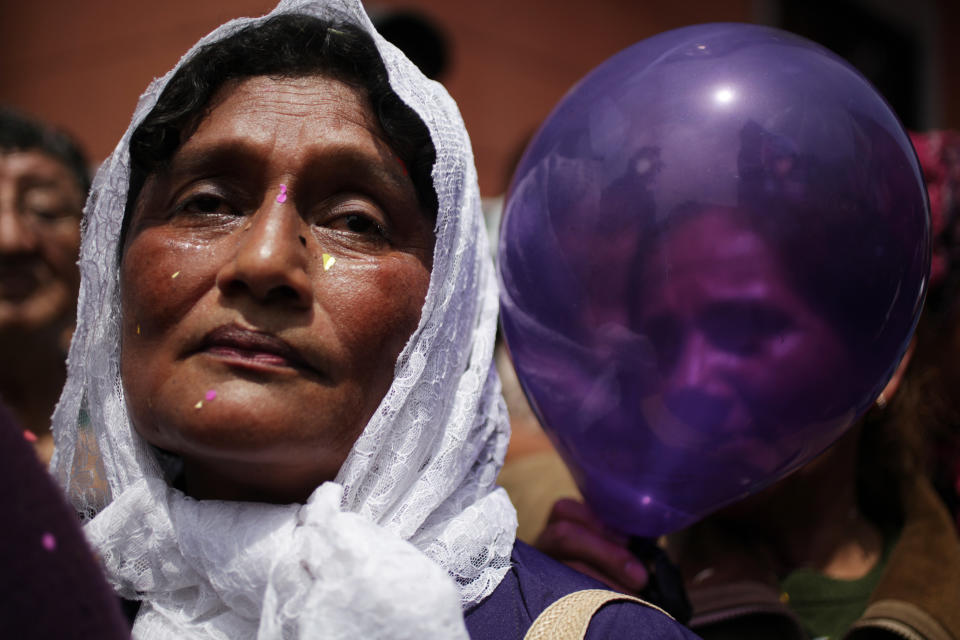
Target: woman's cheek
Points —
{"points": [[375, 305], [162, 278]]}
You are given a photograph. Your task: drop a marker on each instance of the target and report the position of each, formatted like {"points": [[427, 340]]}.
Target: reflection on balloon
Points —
{"points": [[712, 257]]}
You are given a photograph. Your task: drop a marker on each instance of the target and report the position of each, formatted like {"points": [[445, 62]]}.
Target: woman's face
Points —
{"points": [[271, 276], [40, 205], [742, 355]]}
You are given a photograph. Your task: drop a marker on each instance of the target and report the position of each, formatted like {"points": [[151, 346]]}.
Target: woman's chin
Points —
{"points": [[215, 467], [236, 442]]}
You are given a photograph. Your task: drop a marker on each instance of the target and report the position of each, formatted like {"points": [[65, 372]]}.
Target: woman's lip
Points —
{"points": [[17, 284], [252, 349]]}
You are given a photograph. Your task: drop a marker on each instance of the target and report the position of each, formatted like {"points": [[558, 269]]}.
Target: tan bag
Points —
{"points": [[569, 617]]}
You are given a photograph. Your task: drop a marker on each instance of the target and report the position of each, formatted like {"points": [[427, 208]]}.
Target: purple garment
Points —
{"points": [[51, 584], [536, 581]]}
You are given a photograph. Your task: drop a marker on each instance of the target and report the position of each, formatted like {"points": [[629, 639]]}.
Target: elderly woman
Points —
{"points": [[284, 344]]}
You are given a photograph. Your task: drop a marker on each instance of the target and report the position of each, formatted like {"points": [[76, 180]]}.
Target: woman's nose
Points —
{"points": [[691, 391], [688, 371], [271, 262], [16, 235]]}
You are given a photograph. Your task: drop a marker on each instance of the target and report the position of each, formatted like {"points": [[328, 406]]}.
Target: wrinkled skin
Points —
{"points": [[245, 349]]}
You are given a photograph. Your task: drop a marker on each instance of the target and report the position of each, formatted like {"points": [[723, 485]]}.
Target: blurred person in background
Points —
{"points": [[43, 185]]}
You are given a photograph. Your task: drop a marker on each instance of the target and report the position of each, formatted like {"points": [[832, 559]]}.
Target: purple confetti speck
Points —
{"points": [[211, 394], [645, 500], [49, 542]]}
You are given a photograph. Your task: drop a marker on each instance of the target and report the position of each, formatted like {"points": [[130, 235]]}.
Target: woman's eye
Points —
{"points": [[361, 224], [47, 209], [355, 218], [745, 328], [47, 214], [205, 204]]}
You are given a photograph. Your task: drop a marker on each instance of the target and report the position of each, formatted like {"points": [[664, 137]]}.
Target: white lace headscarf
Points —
{"points": [[370, 555]]}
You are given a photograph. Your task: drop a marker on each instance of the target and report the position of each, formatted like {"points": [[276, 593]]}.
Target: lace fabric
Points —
{"points": [[369, 554]]}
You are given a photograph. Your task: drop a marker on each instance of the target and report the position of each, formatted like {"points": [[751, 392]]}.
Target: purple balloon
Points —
{"points": [[713, 255]]}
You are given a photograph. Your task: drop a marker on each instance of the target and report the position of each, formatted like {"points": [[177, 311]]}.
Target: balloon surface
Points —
{"points": [[713, 255]]}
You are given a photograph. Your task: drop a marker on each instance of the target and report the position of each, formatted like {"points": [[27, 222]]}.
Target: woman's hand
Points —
{"points": [[576, 537]]}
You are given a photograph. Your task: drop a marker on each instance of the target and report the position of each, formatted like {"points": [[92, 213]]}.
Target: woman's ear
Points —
{"points": [[894, 383]]}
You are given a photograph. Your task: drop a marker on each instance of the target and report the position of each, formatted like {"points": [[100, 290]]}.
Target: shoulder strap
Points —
{"points": [[569, 617]]}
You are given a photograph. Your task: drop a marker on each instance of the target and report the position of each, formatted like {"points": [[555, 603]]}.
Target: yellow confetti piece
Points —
{"points": [[175, 275], [785, 598], [328, 261], [138, 329], [199, 405]]}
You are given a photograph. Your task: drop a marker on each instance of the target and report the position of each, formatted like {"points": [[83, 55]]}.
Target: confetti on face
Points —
{"points": [[282, 196], [328, 261], [49, 541], [174, 276], [199, 405], [210, 395], [29, 436]]}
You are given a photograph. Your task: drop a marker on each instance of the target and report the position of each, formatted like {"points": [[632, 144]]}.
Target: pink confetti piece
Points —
{"points": [[49, 541], [210, 395], [29, 436], [645, 500], [282, 197]]}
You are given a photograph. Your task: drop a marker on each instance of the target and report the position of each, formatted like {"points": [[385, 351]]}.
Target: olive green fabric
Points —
{"points": [[827, 607]]}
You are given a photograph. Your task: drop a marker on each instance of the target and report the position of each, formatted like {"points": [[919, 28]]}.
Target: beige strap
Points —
{"points": [[569, 617]]}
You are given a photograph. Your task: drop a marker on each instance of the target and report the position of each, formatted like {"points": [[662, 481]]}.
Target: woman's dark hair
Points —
{"points": [[283, 46], [21, 133]]}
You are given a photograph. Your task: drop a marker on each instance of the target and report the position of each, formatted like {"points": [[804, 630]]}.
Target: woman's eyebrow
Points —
{"points": [[228, 156], [244, 159], [383, 167], [41, 182]]}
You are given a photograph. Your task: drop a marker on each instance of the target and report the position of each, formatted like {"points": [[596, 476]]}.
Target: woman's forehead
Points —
{"points": [[291, 123], [258, 106]]}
